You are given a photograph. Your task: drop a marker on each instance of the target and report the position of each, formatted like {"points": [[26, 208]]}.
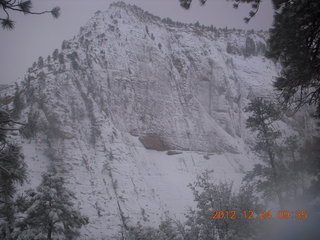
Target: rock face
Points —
{"points": [[106, 107]]}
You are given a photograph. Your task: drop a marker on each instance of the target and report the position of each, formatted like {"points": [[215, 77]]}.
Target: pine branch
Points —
{"points": [[5, 170], [6, 23], [252, 13], [9, 129], [3, 202], [24, 7], [15, 122]]}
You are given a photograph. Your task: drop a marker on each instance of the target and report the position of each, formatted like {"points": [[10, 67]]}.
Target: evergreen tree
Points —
{"points": [[55, 54], [12, 171], [187, 3], [31, 128], [264, 114], [24, 6], [295, 42], [210, 197], [18, 103], [165, 231], [40, 62], [61, 58], [49, 213]]}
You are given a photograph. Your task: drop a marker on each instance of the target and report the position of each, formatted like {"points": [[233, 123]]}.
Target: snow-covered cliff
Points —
{"points": [[134, 107]]}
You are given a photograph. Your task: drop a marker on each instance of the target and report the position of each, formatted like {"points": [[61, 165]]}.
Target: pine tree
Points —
{"points": [[24, 6], [18, 103], [264, 114], [12, 172], [295, 42], [187, 3], [61, 58], [55, 54], [40, 62], [166, 230], [211, 196], [49, 213]]}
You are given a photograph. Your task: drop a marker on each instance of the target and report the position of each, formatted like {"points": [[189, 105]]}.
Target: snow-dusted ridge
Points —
{"points": [[131, 81]]}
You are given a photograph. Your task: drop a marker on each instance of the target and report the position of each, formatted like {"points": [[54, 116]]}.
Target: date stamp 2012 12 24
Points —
{"points": [[281, 214]]}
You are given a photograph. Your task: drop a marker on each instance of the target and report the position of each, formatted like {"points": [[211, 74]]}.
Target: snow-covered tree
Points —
{"points": [[211, 196], [264, 114], [165, 231], [12, 171], [40, 62], [48, 212], [55, 54]]}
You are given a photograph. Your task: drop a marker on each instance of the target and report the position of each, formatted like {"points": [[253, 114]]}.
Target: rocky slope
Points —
{"points": [[112, 108]]}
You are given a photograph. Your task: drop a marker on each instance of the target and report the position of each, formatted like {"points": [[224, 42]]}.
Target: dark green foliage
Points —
{"points": [[65, 45], [55, 54], [12, 169], [61, 58], [18, 103], [295, 42], [264, 114], [187, 3], [23, 6], [74, 57], [29, 130], [12, 172], [48, 211], [55, 12], [11, 164], [40, 62], [255, 4], [167, 21]]}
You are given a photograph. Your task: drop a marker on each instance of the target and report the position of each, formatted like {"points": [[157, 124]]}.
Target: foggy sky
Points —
{"points": [[36, 36]]}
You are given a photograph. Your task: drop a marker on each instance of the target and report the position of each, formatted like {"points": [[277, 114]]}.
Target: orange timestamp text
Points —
{"points": [[282, 214]]}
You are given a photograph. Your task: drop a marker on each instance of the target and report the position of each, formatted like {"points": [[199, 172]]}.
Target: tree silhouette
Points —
{"points": [[25, 7], [12, 172]]}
